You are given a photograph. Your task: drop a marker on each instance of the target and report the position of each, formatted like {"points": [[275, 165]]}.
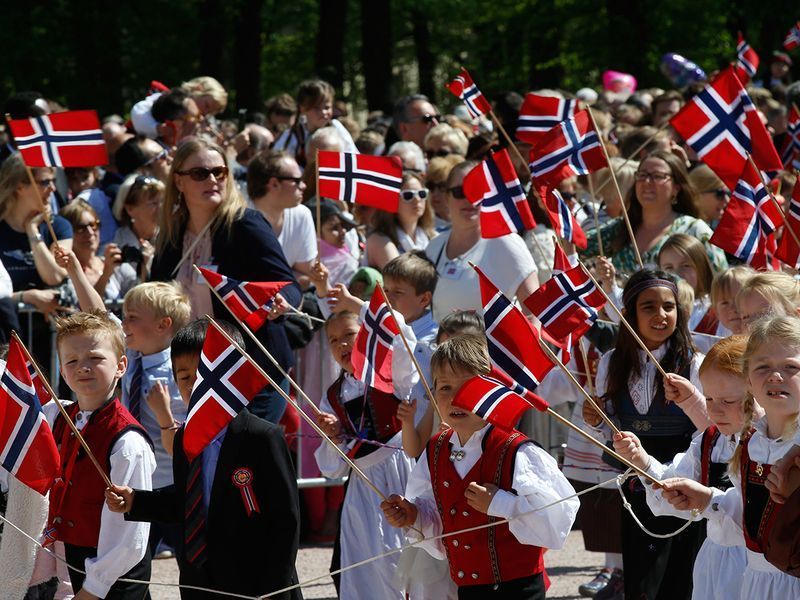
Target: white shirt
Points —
{"points": [[298, 238], [537, 482], [142, 116], [6, 288], [419, 242], [506, 260]]}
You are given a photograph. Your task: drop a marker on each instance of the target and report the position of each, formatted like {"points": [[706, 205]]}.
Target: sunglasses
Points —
{"points": [[427, 119], [721, 194], [83, 228], [45, 183], [294, 180], [201, 173], [157, 158], [409, 195], [437, 187], [434, 153], [457, 192]]}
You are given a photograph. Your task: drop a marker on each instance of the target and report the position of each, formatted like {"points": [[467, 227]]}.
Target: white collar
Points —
{"points": [[474, 441]]}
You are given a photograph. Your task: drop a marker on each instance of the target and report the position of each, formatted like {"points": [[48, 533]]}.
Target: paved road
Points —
{"points": [[567, 567]]}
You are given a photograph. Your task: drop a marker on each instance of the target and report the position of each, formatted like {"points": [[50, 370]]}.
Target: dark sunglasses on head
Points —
{"points": [[201, 173], [433, 153], [409, 195], [457, 192], [158, 157]]}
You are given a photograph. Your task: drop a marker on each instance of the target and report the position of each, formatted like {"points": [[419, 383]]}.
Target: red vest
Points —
{"points": [[759, 510], [77, 496], [491, 555], [379, 412]]}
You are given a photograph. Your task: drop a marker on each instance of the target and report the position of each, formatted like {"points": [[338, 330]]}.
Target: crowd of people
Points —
{"points": [[98, 265]]}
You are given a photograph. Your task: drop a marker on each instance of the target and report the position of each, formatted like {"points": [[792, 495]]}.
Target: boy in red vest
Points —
{"points": [[92, 355], [475, 474]]}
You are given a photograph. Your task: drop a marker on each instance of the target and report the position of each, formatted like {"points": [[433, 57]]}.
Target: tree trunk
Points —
{"points": [[329, 55], [247, 55], [212, 38], [376, 53], [426, 62]]}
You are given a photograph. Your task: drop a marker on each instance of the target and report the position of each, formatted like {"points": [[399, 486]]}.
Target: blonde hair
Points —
{"points": [[12, 174], [695, 251], [724, 281], [452, 137], [705, 180], [780, 290], [73, 211], [89, 323], [624, 171], [686, 296], [439, 168], [174, 214], [131, 191], [207, 86], [784, 330], [465, 353], [164, 298]]}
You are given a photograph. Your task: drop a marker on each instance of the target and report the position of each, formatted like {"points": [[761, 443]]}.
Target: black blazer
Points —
{"points": [[246, 555], [250, 252]]}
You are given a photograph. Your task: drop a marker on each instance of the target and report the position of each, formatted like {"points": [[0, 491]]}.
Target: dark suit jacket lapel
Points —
{"points": [[222, 476]]}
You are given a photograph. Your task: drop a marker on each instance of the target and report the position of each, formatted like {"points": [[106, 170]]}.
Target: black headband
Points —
{"points": [[631, 293]]}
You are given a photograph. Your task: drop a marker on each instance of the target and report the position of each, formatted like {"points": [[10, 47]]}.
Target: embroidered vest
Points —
{"points": [[759, 511], [712, 474]]}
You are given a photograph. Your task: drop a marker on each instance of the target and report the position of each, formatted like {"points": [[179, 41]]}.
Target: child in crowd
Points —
{"points": [[362, 421], [474, 474], [249, 454], [665, 413], [721, 561], [724, 288], [153, 313], [772, 293], [101, 547], [772, 368]]}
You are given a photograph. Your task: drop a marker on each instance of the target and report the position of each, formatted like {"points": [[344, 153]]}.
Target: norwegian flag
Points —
{"points": [[372, 353], [560, 261], [749, 221], [249, 301], [792, 39], [361, 178], [27, 447], [722, 127], [513, 342], [788, 252], [539, 114], [790, 153], [493, 402], [493, 185], [463, 87], [562, 219], [65, 139], [226, 382], [746, 60], [570, 148], [566, 304], [41, 391]]}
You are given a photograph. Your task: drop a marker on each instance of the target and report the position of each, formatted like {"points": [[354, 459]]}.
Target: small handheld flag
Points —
{"points": [[65, 139], [539, 114], [492, 401], [463, 87], [792, 39], [746, 60], [372, 353], [563, 221], [361, 178], [788, 251]]}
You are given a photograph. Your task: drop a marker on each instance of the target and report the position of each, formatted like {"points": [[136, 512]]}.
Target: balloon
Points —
{"points": [[619, 83], [680, 71]]}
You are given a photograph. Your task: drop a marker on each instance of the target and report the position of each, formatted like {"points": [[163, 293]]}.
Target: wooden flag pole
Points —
{"points": [[619, 193], [61, 408], [428, 392], [624, 321], [787, 225], [503, 131], [261, 347], [633, 154], [594, 214]]}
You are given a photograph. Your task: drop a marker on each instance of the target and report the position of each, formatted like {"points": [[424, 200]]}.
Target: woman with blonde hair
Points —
{"points": [[209, 95], [712, 195], [443, 139], [606, 193], [436, 181], [205, 222]]}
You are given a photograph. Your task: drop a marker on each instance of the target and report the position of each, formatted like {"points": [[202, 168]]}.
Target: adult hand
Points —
{"points": [[606, 272], [784, 476], [280, 306], [119, 498], [45, 301], [480, 497], [112, 257]]}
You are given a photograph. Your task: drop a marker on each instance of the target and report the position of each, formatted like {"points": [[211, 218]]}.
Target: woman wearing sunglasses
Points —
{"points": [[205, 222], [712, 195], [411, 228], [506, 260]]}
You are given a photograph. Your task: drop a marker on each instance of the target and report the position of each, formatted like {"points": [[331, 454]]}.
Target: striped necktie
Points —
{"points": [[135, 388], [195, 517]]}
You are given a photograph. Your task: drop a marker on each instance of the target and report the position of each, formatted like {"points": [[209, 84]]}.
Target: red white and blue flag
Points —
{"points": [[65, 139], [539, 114], [790, 153], [792, 39], [563, 221], [372, 353], [560, 261], [226, 383], [722, 126], [463, 87], [27, 447], [41, 391], [570, 148], [566, 304], [361, 178], [494, 402], [746, 60], [788, 252], [747, 226], [249, 301], [512, 340], [494, 185]]}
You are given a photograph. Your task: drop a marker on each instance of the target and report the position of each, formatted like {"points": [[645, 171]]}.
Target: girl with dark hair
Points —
{"points": [[664, 414]]}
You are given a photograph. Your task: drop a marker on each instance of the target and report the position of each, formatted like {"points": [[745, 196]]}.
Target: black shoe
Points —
{"points": [[615, 590], [599, 583]]}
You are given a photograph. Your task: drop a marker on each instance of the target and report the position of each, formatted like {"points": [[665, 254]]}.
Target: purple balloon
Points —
{"points": [[680, 71]]}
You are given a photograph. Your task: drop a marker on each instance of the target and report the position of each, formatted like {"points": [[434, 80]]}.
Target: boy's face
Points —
{"points": [[404, 298], [448, 381], [91, 367], [726, 310], [341, 338], [144, 331], [184, 369]]}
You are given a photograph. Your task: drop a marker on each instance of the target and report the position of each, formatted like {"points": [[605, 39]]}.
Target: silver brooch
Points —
{"points": [[457, 455]]}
